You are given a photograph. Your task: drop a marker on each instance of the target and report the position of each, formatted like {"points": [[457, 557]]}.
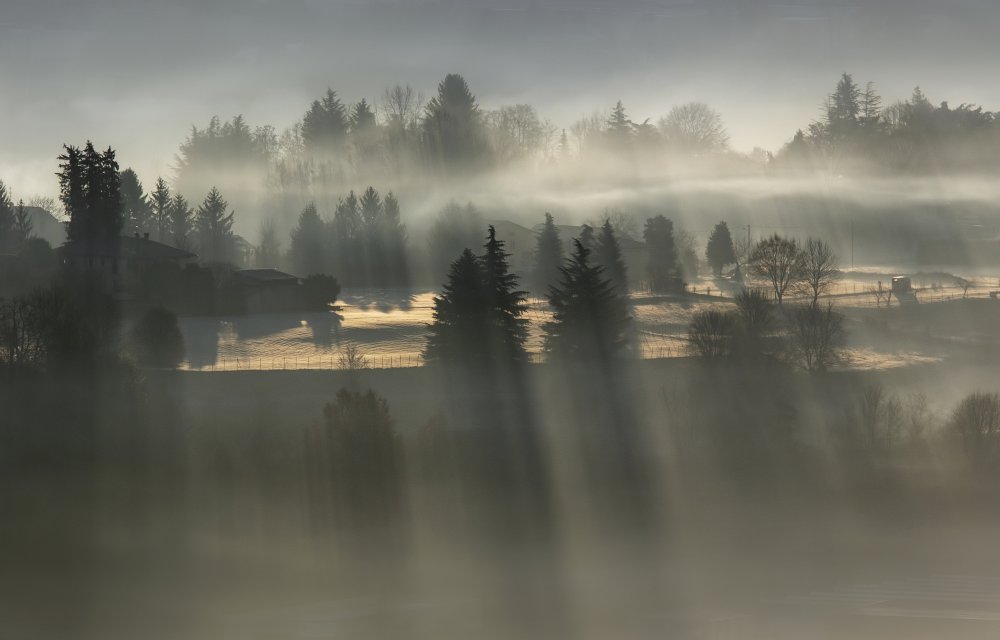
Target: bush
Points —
{"points": [[319, 291], [157, 340], [712, 334]]}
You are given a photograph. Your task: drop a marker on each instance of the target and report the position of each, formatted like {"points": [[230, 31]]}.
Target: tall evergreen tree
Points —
{"points": [[7, 219], [587, 238], [137, 214], [460, 314], [362, 117], [453, 129], [348, 230], [664, 266], [619, 127], [308, 250], [90, 190], [548, 256], [608, 254], [393, 234], [214, 228], [24, 227], [720, 250], [590, 321], [508, 328], [159, 203], [324, 126], [180, 222]]}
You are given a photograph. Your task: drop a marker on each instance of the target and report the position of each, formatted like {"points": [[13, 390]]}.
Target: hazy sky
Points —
{"points": [[136, 74]]}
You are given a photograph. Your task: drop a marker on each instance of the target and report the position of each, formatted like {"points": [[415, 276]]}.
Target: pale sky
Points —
{"points": [[136, 74]]}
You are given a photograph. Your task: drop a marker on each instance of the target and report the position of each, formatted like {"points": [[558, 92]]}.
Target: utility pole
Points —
{"points": [[748, 237], [852, 245]]}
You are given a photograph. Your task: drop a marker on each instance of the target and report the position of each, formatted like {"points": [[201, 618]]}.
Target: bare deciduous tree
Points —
{"points": [[401, 106], [711, 334], [351, 358], [817, 334], [694, 128], [976, 419], [780, 262], [821, 268]]}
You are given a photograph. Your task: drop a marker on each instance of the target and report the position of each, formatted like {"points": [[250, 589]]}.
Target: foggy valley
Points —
{"points": [[542, 319]]}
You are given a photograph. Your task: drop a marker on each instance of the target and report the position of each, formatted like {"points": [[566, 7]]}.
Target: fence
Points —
{"points": [[314, 363]]}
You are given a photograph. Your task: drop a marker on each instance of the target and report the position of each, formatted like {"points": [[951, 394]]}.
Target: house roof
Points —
{"points": [[260, 276], [130, 247]]}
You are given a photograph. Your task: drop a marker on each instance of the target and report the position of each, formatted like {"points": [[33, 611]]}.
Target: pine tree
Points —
{"points": [[608, 254], [137, 214], [590, 321], [453, 130], [619, 129], [324, 126], [7, 219], [159, 202], [308, 253], [90, 190], [508, 329], [548, 256], [180, 222], [393, 234], [587, 238], [664, 267], [215, 228], [460, 314], [362, 117], [720, 250], [347, 232]]}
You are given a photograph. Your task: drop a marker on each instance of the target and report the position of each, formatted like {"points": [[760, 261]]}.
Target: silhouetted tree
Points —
{"points": [[619, 127], [460, 314], [608, 254], [453, 130], [7, 219], [362, 118], [720, 251], [455, 228], [392, 233], [755, 314], [180, 218], [348, 238], [507, 329], [23, 225], [90, 192], [319, 291], [663, 267], [324, 126], [976, 420], [780, 262], [267, 253], [587, 238], [548, 256], [590, 321], [817, 334], [159, 202], [819, 268], [214, 228], [136, 211], [308, 246]]}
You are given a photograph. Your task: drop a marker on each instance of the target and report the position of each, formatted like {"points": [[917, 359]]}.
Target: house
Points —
{"points": [[119, 266], [46, 226], [269, 290]]}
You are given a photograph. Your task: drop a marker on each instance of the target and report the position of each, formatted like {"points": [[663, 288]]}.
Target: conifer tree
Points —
{"points": [[548, 256], [664, 266], [137, 213], [23, 225], [324, 126], [7, 219], [308, 253], [393, 234], [508, 329], [590, 321], [90, 190], [608, 255], [587, 238], [347, 229], [720, 250], [159, 202], [362, 117], [453, 129], [460, 313], [180, 222], [215, 228]]}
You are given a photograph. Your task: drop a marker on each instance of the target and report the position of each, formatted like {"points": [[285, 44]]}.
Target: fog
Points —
{"points": [[536, 319]]}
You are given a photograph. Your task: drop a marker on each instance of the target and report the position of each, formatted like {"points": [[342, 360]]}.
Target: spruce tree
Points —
{"points": [[90, 190], [460, 314], [324, 126], [548, 256], [7, 219], [159, 202], [664, 267], [720, 250], [137, 214], [215, 228], [590, 321], [608, 255], [508, 328], [362, 118], [347, 230], [393, 234], [308, 253], [587, 238], [453, 129], [23, 225], [180, 222]]}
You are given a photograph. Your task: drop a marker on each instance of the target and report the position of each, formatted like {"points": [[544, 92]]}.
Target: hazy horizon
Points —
{"points": [[764, 67]]}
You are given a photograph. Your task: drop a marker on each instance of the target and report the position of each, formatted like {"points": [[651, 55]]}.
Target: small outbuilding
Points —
{"points": [[269, 290]]}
